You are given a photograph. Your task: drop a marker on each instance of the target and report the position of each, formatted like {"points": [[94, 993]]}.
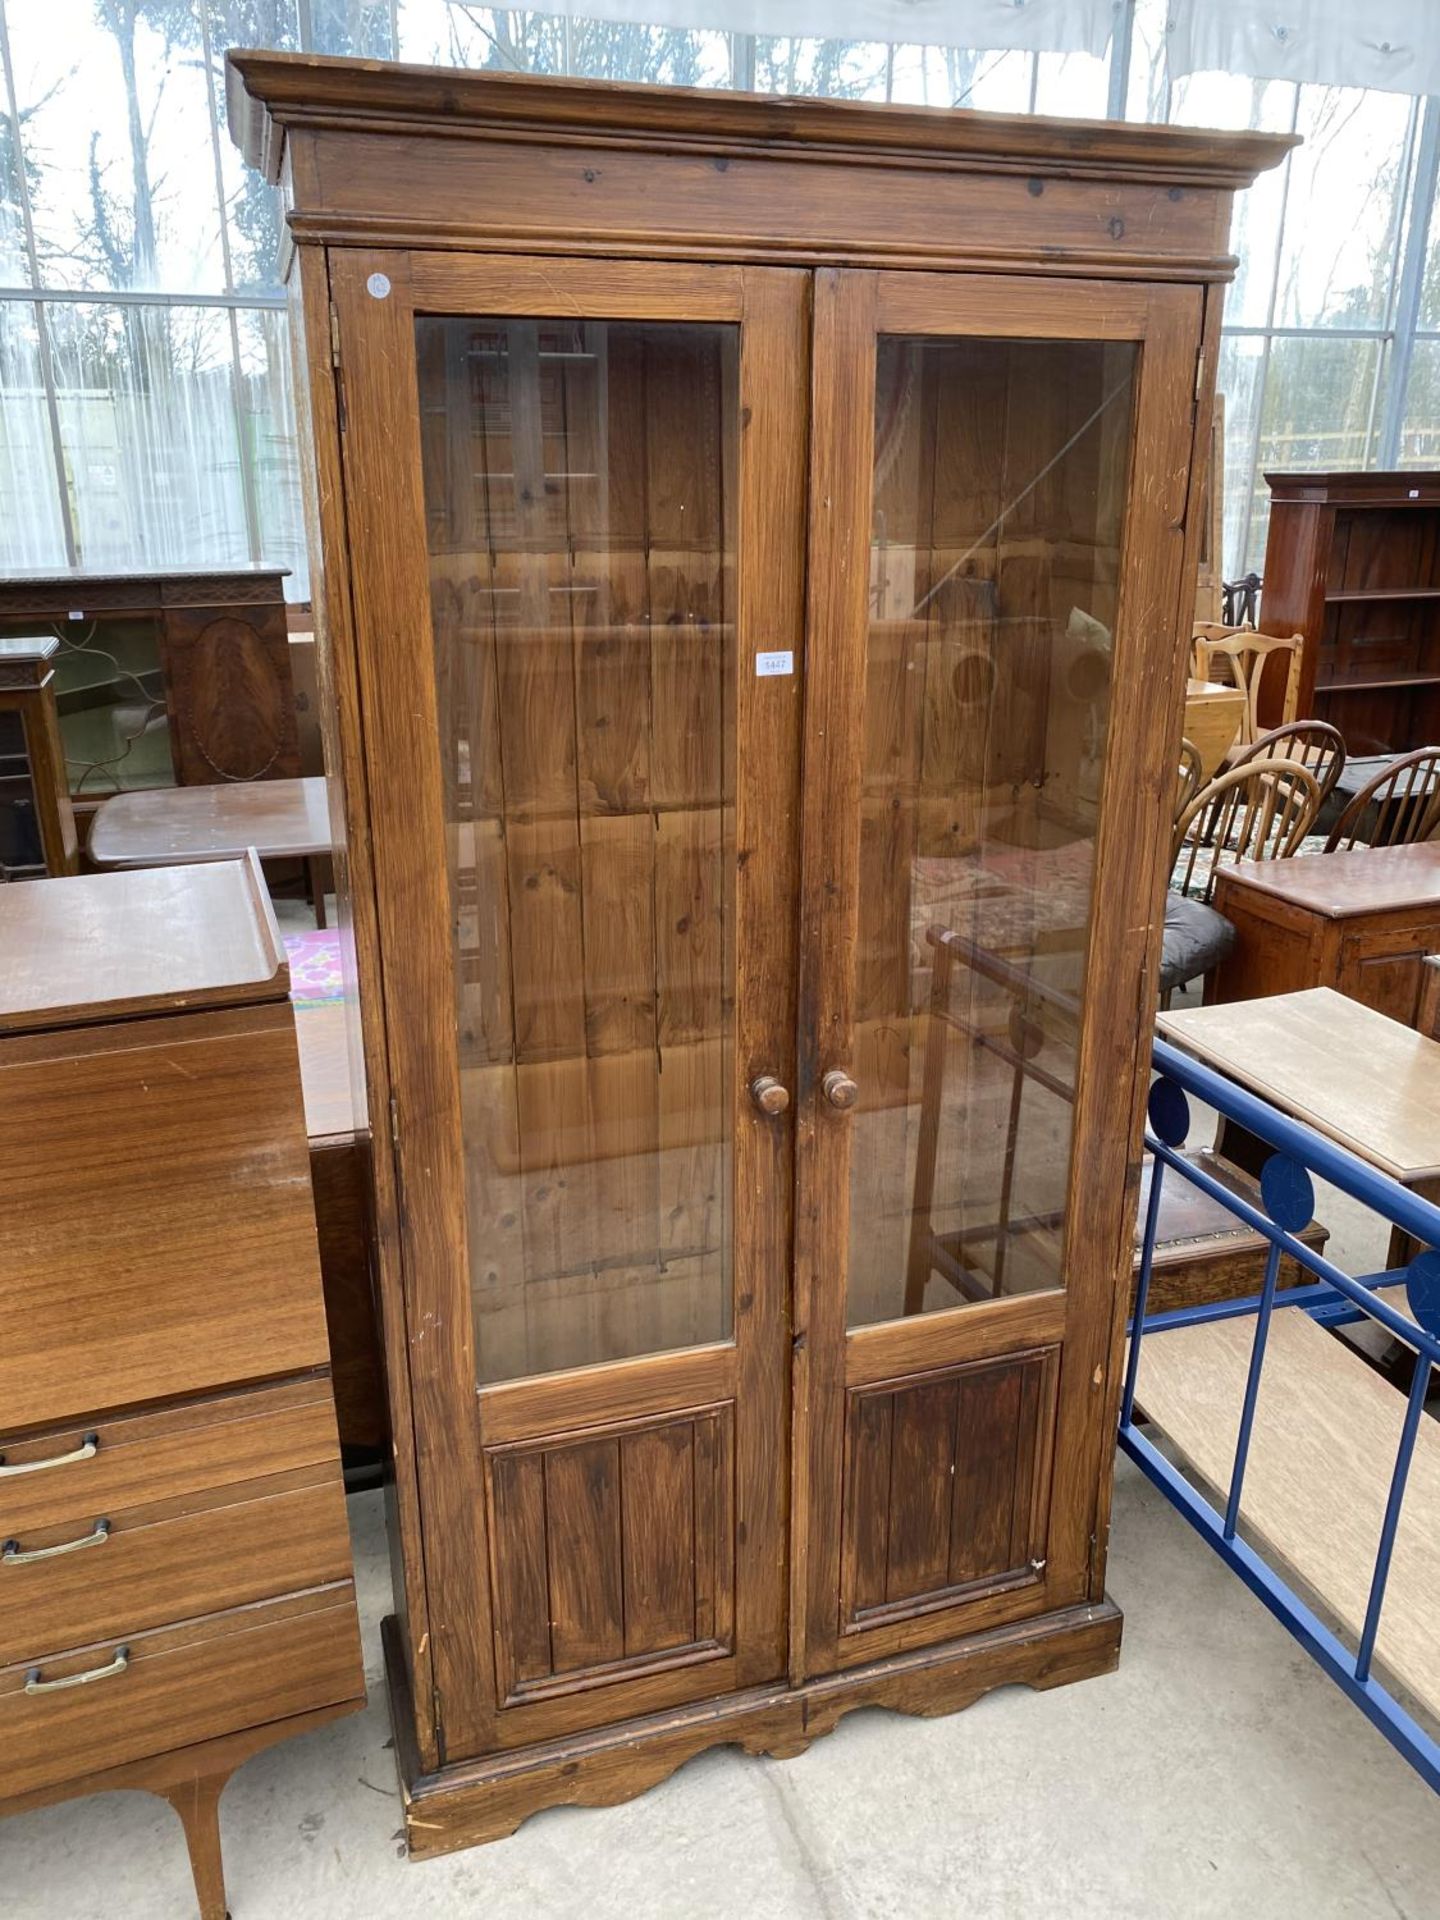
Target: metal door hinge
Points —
{"points": [[337, 369], [1199, 371], [394, 1124]]}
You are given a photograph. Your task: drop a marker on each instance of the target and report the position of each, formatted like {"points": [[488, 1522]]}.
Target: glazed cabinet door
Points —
{"points": [[575, 507], [999, 483]]}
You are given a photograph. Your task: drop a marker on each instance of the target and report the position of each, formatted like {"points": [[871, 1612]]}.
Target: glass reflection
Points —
{"points": [[1000, 479]]}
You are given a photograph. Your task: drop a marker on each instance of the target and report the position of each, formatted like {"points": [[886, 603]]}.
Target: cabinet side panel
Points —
{"points": [[1146, 726], [1297, 551], [319, 437]]}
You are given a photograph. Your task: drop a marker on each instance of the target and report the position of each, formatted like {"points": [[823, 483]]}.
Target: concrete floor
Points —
{"points": [[1217, 1773]]}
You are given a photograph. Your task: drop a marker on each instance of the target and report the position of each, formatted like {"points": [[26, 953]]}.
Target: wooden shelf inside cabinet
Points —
{"points": [[37, 821], [1360, 595], [1382, 680]]}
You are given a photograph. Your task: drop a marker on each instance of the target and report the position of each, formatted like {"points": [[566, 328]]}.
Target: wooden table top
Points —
{"points": [[106, 576], [175, 826], [1362, 1080], [99, 946], [1363, 880]]}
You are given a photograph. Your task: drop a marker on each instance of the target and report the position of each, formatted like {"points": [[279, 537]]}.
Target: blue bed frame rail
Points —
{"points": [[1333, 1298]]}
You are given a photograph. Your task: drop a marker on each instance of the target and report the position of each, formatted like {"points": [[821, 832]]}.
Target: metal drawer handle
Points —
{"points": [[34, 1684], [87, 1450], [12, 1554]]}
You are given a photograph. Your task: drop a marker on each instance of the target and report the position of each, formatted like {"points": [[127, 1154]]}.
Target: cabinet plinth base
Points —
{"points": [[474, 1801]]}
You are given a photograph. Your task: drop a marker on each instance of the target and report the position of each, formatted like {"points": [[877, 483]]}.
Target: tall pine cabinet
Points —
{"points": [[756, 544]]}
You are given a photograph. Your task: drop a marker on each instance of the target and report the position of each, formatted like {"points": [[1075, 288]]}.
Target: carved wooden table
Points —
{"points": [[220, 674]]}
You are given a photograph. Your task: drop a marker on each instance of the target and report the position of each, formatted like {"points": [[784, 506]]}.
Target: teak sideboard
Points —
{"points": [[176, 1590], [758, 542]]}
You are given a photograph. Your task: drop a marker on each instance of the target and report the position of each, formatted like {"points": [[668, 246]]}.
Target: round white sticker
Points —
{"points": [[377, 286]]}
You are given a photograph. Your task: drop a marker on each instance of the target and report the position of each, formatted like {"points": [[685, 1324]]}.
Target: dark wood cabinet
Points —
{"points": [[1352, 562], [759, 540], [179, 677]]}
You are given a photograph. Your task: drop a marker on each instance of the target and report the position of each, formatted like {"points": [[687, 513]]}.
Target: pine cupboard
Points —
{"points": [[758, 543]]}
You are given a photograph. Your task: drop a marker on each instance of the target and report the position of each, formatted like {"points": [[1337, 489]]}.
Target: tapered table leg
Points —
{"points": [[198, 1804]]}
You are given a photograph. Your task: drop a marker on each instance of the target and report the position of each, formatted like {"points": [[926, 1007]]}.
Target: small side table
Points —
{"points": [[32, 761], [1361, 922], [1362, 1080]]}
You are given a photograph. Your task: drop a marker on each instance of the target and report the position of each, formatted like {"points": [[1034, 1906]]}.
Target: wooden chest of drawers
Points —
{"points": [[175, 1573]]}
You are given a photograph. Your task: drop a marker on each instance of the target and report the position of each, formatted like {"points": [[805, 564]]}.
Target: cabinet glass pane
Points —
{"points": [[110, 695], [580, 485], [1000, 481]]}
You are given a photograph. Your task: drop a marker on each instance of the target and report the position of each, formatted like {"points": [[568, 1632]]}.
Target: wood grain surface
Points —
{"points": [[1321, 1455], [196, 1279], [173, 826], [1359, 1078], [103, 946], [183, 1684]]}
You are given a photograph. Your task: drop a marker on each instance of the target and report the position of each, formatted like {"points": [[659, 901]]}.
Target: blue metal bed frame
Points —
{"points": [[1334, 1298]]}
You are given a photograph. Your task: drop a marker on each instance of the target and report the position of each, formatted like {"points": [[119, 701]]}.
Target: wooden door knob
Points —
{"points": [[839, 1089], [768, 1094]]}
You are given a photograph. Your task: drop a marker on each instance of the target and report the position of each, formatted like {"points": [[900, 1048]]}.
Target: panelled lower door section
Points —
{"points": [[610, 466], [978, 442]]}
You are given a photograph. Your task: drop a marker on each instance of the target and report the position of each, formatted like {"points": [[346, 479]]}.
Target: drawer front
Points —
{"points": [[111, 1466], [160, 1234], [177, 1686], [103, 1578]]}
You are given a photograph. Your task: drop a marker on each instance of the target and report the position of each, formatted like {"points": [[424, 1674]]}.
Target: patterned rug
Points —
{"points": [[314, 967]]}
